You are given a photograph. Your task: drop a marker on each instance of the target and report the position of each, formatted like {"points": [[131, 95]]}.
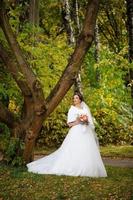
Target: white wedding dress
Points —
{"points": [[79, 153]]}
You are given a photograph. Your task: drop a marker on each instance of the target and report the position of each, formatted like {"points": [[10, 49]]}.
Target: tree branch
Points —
{"points": [[84, 42], [15, 72], [30, 78]]}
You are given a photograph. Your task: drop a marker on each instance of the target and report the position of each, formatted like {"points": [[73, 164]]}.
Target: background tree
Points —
{"points": [[130, 40], [68, 22], [112, 23], [34, 12]]}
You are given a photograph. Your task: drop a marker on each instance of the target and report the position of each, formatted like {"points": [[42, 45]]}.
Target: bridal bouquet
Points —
{"points": [[83, 118]]}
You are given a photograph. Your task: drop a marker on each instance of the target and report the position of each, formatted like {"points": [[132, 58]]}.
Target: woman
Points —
{"points": [[79, 153]]}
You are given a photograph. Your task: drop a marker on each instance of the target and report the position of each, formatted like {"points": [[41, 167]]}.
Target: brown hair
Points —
{"points": [[79, 95]]}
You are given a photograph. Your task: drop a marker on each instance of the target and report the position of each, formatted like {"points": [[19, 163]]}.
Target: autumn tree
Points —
{"points": [[36, 108]]}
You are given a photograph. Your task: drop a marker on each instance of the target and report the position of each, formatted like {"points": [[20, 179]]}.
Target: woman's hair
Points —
{"points": [[79, 95]]}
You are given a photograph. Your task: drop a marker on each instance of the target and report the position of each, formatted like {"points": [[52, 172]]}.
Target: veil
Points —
{"points": [[91, 121]]}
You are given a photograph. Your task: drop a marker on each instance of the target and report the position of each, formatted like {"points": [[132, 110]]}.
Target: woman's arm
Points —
{"points": [[76, 122]]}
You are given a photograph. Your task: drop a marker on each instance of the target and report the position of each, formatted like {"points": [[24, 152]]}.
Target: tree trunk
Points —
{"points": [[34, 12], [78, 83], [96, 41], [35, 102], [130, 39], [76, 17], [68, 22], [36, 108]]}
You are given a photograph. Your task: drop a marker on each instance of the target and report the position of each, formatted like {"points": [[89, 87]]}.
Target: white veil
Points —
{"points": [[91, 121]]}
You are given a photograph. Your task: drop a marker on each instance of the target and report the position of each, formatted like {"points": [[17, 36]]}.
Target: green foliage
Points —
{"points": [[111, 21], [4, 137], [10, 147], [46, 56], [55, 127], [47, 52], [13, 154], [10, 96], [51, 22], [110, 100]]}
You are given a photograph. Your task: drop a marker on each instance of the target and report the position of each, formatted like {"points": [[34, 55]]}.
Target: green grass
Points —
{"points": [[117, 151], [18, 184], [109, 151]]}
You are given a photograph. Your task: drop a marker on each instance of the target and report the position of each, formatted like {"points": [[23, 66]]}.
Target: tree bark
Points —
{"points": [[68, 22], [78, 83], [35, 102], [76, 17], [34, 12]]}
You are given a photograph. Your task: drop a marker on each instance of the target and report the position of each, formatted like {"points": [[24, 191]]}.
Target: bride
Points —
{"points": [[79, 153]]}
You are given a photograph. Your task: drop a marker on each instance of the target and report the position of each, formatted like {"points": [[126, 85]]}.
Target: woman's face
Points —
{"points": [[76, 100]]}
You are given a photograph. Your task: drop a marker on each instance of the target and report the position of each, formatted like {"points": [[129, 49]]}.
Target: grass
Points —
{"points": [[107, 151], [125, 151], [18, 184]]}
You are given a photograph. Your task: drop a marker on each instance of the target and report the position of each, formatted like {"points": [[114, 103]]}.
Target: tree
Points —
{"points": [[68, 22], [96, 53], [130, 39], [36, 108], [34, 12], [111, 22]]}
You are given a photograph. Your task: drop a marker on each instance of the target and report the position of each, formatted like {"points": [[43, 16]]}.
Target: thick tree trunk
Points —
{"points": [[130, 39], [34, 102], [36, 109]]}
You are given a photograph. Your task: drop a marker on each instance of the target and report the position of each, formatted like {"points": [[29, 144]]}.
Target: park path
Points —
{"points": [[116, 162]]}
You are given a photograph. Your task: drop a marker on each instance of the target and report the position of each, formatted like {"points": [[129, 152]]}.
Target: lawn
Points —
{"points": [[117, 151], [18, 184], [107, 151]]}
